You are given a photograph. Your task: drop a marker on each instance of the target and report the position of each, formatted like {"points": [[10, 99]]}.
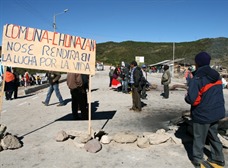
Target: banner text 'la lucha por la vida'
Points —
{"points": [[31, 48]]}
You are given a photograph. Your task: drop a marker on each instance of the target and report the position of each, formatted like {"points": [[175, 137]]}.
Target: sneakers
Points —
{"points": [[60, 104], [204, 164], [209, 164], [44, 103], [216, 164]]}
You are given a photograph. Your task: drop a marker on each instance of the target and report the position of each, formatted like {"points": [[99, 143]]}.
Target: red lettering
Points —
{"points": [[88, 45], [45, 36], [27, 34], [53, 40], [78, 42], [15, 32]]}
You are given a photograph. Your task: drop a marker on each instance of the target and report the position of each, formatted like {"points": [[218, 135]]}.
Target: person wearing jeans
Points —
{"points": [[53, 78]]}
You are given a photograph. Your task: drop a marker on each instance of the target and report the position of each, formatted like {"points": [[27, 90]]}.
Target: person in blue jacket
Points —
{"points": [[205, 95]]}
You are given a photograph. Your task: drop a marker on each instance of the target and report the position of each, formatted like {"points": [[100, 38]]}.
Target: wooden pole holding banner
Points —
{"points": [[89, 101]]}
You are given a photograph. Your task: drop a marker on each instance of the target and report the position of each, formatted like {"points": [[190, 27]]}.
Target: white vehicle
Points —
{"points": [[100, 66]]}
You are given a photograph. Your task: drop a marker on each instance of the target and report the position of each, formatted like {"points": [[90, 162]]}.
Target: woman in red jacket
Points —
{"points": [[9, 83]]}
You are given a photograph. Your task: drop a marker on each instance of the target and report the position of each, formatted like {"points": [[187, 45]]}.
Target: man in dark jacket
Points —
{"points": [[53, 78], [135, 78], [78, 84], [205, 95]]}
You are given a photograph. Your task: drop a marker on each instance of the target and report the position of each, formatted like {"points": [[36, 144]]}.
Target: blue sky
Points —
{"points": [[122, 20]]}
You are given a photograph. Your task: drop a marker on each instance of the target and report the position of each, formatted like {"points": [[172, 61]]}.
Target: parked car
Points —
{"points": [[100, 66]]}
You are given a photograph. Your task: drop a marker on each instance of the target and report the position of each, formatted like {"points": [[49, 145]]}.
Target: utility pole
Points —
{"points": [[54, 18]]}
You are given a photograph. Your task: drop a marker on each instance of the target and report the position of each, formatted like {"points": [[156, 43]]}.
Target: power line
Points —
{"points": [[31, 9]]}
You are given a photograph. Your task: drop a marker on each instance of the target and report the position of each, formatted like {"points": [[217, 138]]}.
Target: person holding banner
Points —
{"points": [[78, 84], [53, 78]]}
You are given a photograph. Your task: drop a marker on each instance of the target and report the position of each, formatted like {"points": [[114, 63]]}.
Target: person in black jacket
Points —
{"points": [[16, 83], [9, 83], [135, 78], [205, 95], [53, 78]]}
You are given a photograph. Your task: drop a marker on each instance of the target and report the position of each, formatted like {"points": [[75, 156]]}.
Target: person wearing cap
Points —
{"points": [[205, 95], [136, 75], [166, 80]]}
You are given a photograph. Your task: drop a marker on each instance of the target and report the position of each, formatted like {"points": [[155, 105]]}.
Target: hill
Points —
{"points": [[114, 53]]}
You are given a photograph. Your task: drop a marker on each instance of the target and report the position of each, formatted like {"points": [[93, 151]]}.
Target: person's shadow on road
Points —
{"points": [[95, 115]]}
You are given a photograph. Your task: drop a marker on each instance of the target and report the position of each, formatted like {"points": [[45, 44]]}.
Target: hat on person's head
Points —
{"points": [[202, 59], [134, 63], [143, 66], [166, 67]]}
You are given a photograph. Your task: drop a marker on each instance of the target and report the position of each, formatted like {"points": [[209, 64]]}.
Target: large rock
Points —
{"points": [[93, 146], [125, 137], [105, 139], [157, 138], [61, 136], [143, 142], [84, 137], [10, 142]]}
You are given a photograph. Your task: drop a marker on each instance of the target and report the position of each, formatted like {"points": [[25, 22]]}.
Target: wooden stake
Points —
{"points": [[89, 110]]}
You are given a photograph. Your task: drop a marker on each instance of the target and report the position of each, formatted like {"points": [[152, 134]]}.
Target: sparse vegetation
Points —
{"points": [[114, 53]]}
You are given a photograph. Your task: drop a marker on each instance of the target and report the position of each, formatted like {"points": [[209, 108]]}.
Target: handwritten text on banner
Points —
{"points": [[32, 48]]}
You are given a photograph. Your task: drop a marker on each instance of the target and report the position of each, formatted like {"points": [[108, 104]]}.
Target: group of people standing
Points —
{"points": [[120, 78], [130, 78], [30, 79]]}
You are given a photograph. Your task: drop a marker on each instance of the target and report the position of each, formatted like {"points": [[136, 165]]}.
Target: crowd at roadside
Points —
{"points": [[204, 94], [13, 80], [120, 78]]}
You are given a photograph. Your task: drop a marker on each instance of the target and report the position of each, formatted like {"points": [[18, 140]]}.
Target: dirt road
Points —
{"points": [[37, 126]]}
